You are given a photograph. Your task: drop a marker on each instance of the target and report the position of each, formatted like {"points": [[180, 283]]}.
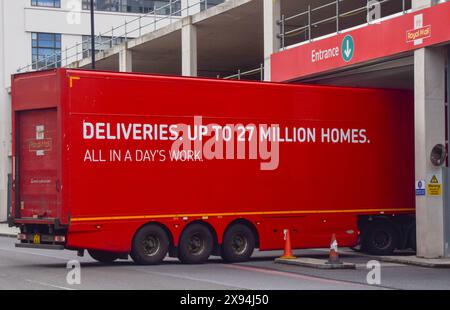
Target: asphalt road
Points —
{"points": [[46, 270]]}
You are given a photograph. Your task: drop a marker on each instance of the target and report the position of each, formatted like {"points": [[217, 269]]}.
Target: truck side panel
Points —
{"points": [[317, 188]]}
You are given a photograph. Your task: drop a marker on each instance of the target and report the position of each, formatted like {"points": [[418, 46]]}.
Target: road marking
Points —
{"points": [[50, 285], [295, 275], [193, 279], [383, 264], [32, 253]]}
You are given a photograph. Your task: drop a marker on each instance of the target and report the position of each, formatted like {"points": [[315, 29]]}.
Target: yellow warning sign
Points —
{"points": [[434, 188], [434, 180]]}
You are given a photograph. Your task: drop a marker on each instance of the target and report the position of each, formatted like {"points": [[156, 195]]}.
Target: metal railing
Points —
{"points": [[307, 27], [136, 27], [240, 74]]}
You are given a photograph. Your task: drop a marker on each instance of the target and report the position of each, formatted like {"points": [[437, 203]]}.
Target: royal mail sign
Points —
{"points": [[418, 34]]}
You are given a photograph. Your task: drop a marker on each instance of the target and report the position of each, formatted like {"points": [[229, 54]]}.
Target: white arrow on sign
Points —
{"points": [[348, 50]]}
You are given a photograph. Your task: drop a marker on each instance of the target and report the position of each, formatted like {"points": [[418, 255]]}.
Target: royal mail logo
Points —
{"points": [[40, 145], [418, 34]]}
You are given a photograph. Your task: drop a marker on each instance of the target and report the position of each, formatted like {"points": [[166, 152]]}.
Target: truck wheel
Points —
{"points": [[238, 244], [196, 244], [150, 245], [380, 239], [103, 256]]}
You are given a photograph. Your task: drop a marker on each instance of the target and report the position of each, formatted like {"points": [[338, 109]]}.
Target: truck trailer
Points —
{"points": [[126, 164]]}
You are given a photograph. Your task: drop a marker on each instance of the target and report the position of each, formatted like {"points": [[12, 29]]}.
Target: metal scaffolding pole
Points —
{"points": [[92, 35]]}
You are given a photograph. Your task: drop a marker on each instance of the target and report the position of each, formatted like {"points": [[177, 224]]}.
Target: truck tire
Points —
{"points": [[238, 243], [150, 245], [103, 256], [196, 244], [380, 239]]}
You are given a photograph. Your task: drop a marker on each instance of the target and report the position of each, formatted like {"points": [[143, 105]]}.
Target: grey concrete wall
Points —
{"points": [[126, 60], [4, 120], [272, 12], [429, 106], [429, 89], [188, 47], [447, 171]]}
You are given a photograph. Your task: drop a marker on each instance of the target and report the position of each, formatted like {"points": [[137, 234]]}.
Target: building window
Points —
{"points": [[101, 44], [46, 50], [47, 3], [209, 3], [162, 7], [103, 5]]}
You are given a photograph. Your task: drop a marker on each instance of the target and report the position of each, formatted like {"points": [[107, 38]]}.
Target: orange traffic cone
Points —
{"points": [[287, 245], [334, 255]]}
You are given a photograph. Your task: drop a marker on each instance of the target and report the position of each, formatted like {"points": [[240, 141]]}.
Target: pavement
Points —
{"points": [[408, 258], [314, 263], [48, 270], [6, 231]]}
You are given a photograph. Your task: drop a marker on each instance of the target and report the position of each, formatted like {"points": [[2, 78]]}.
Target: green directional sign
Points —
{"points": [[348, 48]]}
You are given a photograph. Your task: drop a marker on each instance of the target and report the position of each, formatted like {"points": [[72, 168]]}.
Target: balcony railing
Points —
{"points": [[254, 74], [334, 17]]}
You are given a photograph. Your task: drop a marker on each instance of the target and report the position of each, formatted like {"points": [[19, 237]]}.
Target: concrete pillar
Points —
{"points": [[126, 60], [4, 121], [188, 47], [429, 104], [191, 7], [429, 88], [272, 13], [447, 170]]}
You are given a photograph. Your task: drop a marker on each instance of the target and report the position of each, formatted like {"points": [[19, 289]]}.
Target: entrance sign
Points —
{"points": [[389, 37], [348, 48]]}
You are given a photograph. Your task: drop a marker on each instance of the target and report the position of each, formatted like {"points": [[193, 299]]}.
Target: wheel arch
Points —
{"points": [[401, 223], [366, 221]]}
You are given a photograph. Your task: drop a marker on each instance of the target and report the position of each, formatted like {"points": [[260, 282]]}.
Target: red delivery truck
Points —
{"points": [[123, 164]]}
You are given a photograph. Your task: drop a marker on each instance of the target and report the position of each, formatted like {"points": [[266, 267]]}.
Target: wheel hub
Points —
{"points": [[239, 244], [196, 244], [381, 239], [151, 245]]}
